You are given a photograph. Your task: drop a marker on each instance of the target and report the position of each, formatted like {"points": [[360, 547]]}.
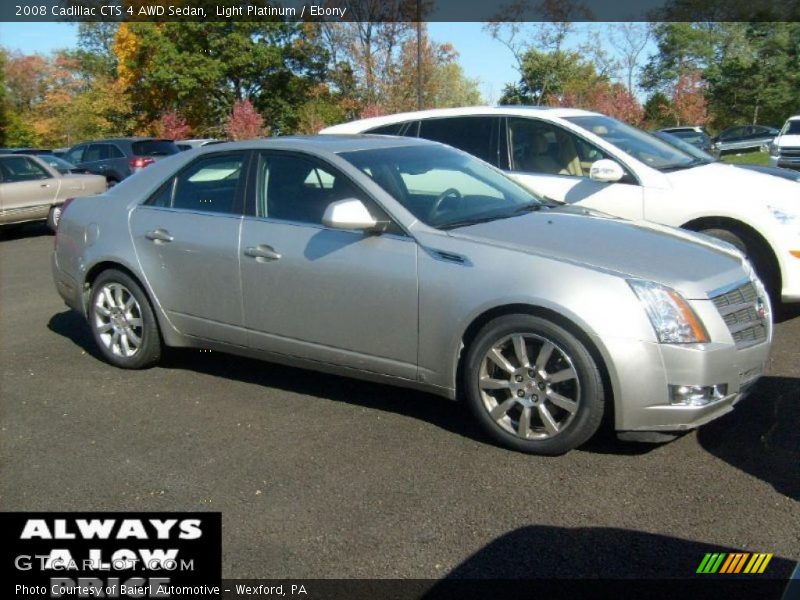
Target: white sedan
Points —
{"points": [[582, 157]]}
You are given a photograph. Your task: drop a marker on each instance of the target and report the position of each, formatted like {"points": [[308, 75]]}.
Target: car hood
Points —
{"points": [[735, 184], [788, 141], [692, 263]]}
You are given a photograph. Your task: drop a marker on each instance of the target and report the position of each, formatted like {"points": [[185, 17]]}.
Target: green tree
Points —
{"points": [[3, 100], [549, 76]]}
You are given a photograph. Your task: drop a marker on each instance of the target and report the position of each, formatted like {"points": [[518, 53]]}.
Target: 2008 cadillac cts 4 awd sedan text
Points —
{"points": [[413, 263]]}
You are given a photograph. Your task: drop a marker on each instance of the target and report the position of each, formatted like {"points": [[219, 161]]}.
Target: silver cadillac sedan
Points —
{"points": [[411, 263]]}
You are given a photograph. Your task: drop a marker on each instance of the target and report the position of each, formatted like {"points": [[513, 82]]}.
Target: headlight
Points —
{"points": [[774, 149], [672, 318]]}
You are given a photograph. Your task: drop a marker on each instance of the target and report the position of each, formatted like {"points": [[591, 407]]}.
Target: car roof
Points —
{"points": [[512, 110], [328, 143]]}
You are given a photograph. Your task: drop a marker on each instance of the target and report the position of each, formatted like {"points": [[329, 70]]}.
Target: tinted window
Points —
{"points": [[208, 185], [75, 155], [154, 148], [732, 133], [539, 147], [295, 188], [113, 152], [792, 128], [470, 134], [21, 168], [96, 152], [393, 129]]}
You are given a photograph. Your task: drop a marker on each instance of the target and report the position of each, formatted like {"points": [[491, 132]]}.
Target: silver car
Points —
{"points": [[409, 262], [33, 190]]}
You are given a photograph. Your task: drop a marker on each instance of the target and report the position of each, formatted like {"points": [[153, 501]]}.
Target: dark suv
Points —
{"points": [[118, 158]]}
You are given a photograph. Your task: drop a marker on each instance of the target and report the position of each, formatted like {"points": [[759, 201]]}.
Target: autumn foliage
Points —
{"points": [[244, 123]]}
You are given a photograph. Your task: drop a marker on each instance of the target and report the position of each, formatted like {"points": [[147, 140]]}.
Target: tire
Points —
{"points": [[757, 255], [500, 396], [119, 315], [53, 217]]}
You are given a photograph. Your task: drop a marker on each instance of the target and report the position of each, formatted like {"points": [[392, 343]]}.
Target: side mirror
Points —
{"points": [[351, 214], [606, 171]]}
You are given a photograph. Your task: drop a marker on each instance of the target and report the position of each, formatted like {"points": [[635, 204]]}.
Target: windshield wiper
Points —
{"points": [[525, 208]]}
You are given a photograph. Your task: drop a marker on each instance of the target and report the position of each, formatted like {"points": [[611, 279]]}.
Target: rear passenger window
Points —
{"points": [[470, 134], [75, 155], [393, 129], [207, 185]]}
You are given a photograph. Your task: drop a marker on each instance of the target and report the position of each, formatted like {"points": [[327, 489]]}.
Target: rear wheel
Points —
{"points": [[533, 386], [122, 321], [53, 217]]}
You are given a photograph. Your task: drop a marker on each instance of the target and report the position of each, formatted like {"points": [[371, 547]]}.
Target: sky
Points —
{"points": [[481, 57]]}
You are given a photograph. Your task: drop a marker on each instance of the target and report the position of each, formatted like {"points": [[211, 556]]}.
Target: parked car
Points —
{"points": [[416, 264], [697, 136], [592, 160], [784, 151], [118, 158], [708, 158], [744, 137], [25, 151], [60, 165], [197, 143], [32, 190]]}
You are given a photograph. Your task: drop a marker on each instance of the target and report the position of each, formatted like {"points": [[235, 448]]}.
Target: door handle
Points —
{"points": [[159, 236], [262, 253], [45, 185]]}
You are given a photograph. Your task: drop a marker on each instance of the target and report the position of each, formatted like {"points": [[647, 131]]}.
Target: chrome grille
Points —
{"points": [[743, 313], [790, 152]]}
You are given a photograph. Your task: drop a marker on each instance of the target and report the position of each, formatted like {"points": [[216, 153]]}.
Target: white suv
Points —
{"points": [[784, 151], [582, 157]]}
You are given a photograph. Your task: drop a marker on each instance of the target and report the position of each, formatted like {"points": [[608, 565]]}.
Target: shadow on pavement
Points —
{"points": [[620, 561], [450, 416], [762, 435], [23, 230]]}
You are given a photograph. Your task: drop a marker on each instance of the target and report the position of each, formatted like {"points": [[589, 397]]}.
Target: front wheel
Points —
{"points": [[53, 217], [533, 386], [122, 322]]}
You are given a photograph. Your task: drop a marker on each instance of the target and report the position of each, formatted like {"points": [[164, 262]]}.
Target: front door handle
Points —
{"points": [[262, 253], [159, 236]]}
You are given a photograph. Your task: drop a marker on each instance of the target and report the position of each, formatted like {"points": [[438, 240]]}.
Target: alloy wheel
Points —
{"points": [[118, 320]]}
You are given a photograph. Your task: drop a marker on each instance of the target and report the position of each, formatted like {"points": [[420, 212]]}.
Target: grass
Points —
{"points": [[749, 158]]}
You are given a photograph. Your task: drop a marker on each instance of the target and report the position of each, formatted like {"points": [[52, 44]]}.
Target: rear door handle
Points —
{"points": [[159, 236], [262, 253]]}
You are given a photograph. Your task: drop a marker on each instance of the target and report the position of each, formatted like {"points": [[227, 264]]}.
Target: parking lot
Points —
{"points": [[319, 477]]}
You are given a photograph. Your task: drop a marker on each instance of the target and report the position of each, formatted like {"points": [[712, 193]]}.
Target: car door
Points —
{"points": [[186, 237], [27, 190], [339, 297], [555, 162]]}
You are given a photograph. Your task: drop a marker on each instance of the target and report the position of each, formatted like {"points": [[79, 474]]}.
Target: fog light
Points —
{"points": [[696, 395]]}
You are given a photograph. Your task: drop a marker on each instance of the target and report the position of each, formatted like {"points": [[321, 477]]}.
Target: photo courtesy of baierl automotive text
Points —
{"points": [[401, 299]]}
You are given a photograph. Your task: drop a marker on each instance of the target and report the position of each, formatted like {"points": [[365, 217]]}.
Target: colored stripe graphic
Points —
{"points": [[735, 562]]}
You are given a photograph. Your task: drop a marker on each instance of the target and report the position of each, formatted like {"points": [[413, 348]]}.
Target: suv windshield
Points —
{"points": [[154, 148], [442, 187], [639, 144], [791, 128]]}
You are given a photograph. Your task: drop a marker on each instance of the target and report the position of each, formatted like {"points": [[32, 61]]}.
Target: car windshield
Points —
{"points": [[442, 187], [792, 128], [639, 144], [61, 165], [155, 148]]}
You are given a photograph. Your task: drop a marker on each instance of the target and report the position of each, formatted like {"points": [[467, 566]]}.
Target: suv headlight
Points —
{"points": [[672, 318], [774, 149]]}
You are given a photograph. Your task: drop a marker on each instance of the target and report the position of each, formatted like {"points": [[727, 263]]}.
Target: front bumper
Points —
{"points": [[645, 370]]}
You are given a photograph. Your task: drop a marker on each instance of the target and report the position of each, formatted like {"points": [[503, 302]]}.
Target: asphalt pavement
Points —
{"points": [[319, 476]]}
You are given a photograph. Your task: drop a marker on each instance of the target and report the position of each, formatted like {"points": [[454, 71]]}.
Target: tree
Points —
{"points": [[682, 47], [172, 125], [3, 100], [244, 122], [629, 40], [689, 106], [549, 76], [656, 111]]}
